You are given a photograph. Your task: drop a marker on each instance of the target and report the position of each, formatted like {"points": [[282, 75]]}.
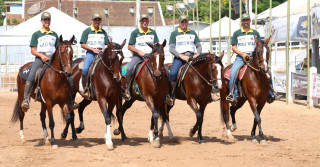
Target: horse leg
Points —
{"points": [[43, 122], [150, 135], [164, 109], [21, 117], [120, 114], [51, 126], [83, 104], [200, 121], [155, 116], [74, 134], [233, 111], [193, 104], [225, 114], [107, 117], [257, 121]]}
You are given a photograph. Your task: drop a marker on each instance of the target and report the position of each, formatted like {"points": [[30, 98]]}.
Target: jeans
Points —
{"points": [[176, 64], [35, 65], [134, 61], [88, 61], [235, 66]]}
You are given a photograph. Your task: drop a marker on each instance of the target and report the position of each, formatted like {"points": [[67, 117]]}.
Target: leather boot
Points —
{"points": [[26, 97], [126, 94], [84, 85], [170, 96]]}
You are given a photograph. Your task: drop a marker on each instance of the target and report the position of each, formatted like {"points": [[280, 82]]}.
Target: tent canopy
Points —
{"points": [[61, 23]]}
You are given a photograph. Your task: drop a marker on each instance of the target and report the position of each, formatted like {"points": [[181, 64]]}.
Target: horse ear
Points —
{"points": [[221, 55], [72, 40], [123, 43], [267, 41], [150, 45], [164, 43], [61, 39], [256, 40]]}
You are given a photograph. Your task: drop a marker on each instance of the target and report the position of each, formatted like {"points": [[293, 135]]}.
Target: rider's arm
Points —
{"points": [[135, 50], [237, 51], [199, 49], [172, 50], [86, 47], [43, 57]]}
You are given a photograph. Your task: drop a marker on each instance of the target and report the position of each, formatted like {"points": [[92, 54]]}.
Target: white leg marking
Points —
{"points": [[150, 136], [169, 130], [107, 135]]}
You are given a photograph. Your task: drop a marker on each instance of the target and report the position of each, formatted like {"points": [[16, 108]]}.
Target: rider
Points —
{"points": [[138, 45], [94, 39], [181, 45], [43, 45], [245, 35]]}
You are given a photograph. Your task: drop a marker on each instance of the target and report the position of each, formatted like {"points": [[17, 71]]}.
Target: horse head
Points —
{"points": [[216, 69], [65, 54], [260, 56], [157, 62], [113, 57]]}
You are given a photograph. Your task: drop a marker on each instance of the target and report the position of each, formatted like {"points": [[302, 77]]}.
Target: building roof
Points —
{"points": [[118, 11]]}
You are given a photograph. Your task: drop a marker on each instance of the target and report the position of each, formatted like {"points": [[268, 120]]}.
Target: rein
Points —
{"points": [[253, 68], [108, 67], [59, 71]]}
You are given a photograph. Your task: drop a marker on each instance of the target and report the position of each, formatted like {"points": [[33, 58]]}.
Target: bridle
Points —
{"points": [[109, 66], [259, 66], [148, 58], [63, 71]]}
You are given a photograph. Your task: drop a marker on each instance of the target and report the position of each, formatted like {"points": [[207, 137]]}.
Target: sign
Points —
{"points": [[316, 86], [299, 83], [279, 82], [315, 22]]}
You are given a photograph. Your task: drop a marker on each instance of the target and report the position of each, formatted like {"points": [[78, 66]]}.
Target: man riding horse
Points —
{"points": [[138, 46], [181, 45], [243, 45], [94, 39], [43, 45]]}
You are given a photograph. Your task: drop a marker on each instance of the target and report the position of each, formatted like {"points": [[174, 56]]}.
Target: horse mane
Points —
{"points": [[200, 58]]}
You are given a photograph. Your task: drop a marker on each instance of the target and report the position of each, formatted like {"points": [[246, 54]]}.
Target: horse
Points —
{"points": [[106, 80], [53, 89], [199, 82], [153, 84], [255, 87]]}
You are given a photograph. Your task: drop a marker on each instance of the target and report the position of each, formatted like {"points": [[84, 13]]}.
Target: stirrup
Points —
{"points": [[169, 100]]}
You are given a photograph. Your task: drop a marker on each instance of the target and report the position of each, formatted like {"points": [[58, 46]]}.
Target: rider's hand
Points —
{"points": [[141, 53], [97, 51], [196, 55], [184, 57], [44, 58]]}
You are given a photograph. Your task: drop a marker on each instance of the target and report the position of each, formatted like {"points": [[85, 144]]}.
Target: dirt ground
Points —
{"points": [[292, 134]]}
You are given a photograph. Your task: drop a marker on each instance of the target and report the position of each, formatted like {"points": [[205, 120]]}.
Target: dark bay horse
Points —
{"points": [[54, 88], [255, 86], [196, 89], [106, 80], [154, 85]]}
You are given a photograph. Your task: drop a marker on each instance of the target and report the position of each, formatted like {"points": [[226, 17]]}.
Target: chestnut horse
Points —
{"points": [[106, 80], [196, 89], [153, 84], [255, 86], [54, 89]]}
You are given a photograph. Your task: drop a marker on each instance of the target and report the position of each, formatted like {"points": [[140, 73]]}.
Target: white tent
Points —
{"points": [[61, 23]]}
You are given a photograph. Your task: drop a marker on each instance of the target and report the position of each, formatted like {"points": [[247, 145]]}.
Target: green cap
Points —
{"points": [[96, 15], [183, 17], [144, 16], [245, 16], [45, 15]]}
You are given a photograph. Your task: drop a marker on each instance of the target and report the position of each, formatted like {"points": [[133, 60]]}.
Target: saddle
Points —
{"points": [[239, 75]]}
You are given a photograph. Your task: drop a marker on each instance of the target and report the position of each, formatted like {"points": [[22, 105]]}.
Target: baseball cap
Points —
{"points": [[96, 15], [245, 16], [183, 17], [45, 15], [144, 16]]}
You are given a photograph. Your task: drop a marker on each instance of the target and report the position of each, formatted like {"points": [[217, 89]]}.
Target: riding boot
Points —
{"points": [[26, 98], [84, 85], [71, 103], [126, 95], [170, 96]]}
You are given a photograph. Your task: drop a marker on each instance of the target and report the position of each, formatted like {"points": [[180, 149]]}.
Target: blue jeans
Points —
{"points": [[88, 61], [235, 66], [176, 64]]}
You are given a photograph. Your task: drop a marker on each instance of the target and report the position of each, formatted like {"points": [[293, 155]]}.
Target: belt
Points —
{"points": [[188, 53], [49, 54]]}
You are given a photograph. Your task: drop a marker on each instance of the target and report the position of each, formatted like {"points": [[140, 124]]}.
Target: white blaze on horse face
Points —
{"points": [[158, 61], [265, 59], [219, 75]]}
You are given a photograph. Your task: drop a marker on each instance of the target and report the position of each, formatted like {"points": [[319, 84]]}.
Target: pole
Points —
{"points": [[229, 44], [198, 19], [308, 58], [193, 19], [219, 26], [73, 7], [6, 45], [154, 18], [137, 15], [174, 14], [287, 52], [240, 11], [270, 48], [108, 27], [210, 27], [59, 5], [256, 13]]}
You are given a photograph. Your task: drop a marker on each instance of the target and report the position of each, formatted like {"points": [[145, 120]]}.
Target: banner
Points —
{"points": [[299, 83], [316, 86], [279, 82], [315, 22]]}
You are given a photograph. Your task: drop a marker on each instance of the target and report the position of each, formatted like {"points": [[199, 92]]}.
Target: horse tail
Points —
{"points": [[16, 112]]}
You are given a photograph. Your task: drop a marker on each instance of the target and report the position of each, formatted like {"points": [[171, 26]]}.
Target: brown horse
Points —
{"points": [[106, 80], [196, 89], [255, 86], [54, 89], [153, 84]]}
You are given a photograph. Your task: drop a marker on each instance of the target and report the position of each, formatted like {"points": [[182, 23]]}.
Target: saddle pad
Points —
{"points": [[241, 74], [124, 69], [25, 73]]}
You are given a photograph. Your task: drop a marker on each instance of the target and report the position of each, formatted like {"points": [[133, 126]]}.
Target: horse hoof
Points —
{"points": [[110, 146], [23, 141], [54, 146], [79, 130], [46, 142], [116, 132], [63, 136], [161, 135], [263, 142], [74, 138], [156, 143], [254, 141], [190, 133], [201, 141], [233, 128]]}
